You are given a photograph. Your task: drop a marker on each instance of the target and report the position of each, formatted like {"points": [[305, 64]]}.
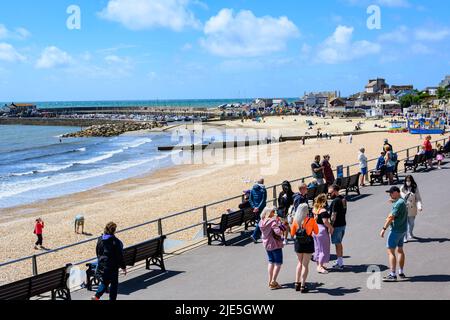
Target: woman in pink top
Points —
{"points": [[428, 151], [38, 227], [272, 229]]}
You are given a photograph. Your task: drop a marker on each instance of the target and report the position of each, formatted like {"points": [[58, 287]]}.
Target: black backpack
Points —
{"points": [[302, 237]]}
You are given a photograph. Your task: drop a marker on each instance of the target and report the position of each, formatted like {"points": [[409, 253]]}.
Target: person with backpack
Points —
{"points": [[302, 230], [391, 163], [410, 193], [285, 201], [110, 260]]}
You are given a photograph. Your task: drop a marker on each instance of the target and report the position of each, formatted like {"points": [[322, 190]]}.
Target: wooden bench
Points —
{"points": [[151, 251], [54, 281], [419, 160], [216, 231]]}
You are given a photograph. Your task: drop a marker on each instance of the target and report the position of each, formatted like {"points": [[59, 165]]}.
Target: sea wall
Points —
{"points": [[56, 122]]}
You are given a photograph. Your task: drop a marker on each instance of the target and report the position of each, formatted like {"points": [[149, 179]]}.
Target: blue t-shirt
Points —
{"points": [[400, 213]]}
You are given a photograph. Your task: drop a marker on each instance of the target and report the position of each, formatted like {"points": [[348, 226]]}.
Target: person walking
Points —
{"points": [[38, 231], [390, 164], [386, 143], [258, 199], [363, 166], [322, 239], [428, 151], [350, 139], [79, 222], [285, 201], [410, 193], [397, 221], [338, 211], [328, 170], [272, 229], [440, 156], [317, 171], [303, 227], [110, 260]]}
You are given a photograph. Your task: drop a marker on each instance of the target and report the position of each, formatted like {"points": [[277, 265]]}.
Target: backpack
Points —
{"points": [[301, 235], [394, 157]]}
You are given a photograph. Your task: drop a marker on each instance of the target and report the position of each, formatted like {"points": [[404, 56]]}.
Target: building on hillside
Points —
{"points": [[319, 99], [432, 91], [395, 90], [445, 83], [376, 86]]}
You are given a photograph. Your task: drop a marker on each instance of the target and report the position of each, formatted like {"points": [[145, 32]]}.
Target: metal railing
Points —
{"points": [[204, 209]]}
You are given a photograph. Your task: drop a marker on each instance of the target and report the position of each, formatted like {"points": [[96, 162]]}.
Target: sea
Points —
{"points": [[35, 164]]}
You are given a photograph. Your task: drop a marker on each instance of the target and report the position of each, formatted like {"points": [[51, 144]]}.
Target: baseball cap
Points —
{"points": [[393, 189]]}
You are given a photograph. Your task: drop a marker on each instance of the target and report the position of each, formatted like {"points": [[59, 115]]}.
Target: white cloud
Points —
{"points": [[53, 57], [432, 35], [340, 48], [400, 35], [385, 3], [9, 54], [245, 35], [395, 3], [18, 33], [420, 48], [147, 14]]}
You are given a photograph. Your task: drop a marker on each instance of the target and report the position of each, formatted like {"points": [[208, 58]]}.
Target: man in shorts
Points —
{"points": [[397, 220], [338, 210]]}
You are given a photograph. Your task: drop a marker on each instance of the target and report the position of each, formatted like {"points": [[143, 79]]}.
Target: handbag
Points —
{"points": [[301, 236]]}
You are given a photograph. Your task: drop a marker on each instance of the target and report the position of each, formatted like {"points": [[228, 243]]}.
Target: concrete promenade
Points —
{"points": [[238, 272]]}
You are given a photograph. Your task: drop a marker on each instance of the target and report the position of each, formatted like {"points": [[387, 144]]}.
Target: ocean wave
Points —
{"points": [[103, 157], [138, 143], [43, 156]]}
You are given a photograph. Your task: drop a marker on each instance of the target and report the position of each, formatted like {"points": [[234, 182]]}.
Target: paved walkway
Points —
{"points": [[239, 271]]}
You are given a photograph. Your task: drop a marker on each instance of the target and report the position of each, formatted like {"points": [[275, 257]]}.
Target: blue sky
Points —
{"points": [[173, 49]]}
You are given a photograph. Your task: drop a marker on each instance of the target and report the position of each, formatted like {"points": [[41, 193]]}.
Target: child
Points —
{"points": [[440, 156], [39, 226]]}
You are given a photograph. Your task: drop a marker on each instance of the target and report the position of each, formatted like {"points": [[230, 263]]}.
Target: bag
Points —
{"points": [[394, 157], [302, 237]]}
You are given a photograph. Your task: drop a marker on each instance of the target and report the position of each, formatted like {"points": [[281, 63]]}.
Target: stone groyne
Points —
{"points": [[113, 129]]}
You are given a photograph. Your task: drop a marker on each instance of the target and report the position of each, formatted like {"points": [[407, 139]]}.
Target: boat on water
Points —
{"points": [[426, 126]]}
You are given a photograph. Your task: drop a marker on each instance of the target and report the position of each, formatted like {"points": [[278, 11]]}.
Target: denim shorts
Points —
{"points": [[338, 235], [275, 256], [364, 171], [395, 240], [390, 169]]}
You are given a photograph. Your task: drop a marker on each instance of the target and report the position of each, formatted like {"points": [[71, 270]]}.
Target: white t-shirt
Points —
{"points": [[362, 160]]}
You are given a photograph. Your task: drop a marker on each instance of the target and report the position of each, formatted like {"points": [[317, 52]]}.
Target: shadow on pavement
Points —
{"points": [[428, 240], [241, 240], [363, 268], [354, 198], [431, 278], [146, 280], [339, 291]]}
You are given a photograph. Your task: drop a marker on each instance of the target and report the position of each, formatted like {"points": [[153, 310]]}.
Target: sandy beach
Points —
{"points": [[167, 191]]}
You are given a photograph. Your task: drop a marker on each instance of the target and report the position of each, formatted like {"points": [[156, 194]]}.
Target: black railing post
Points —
{"points": [[407, 154], [348, 171], [160, 229], [34, 265], [274, 196], [205, 221]]}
